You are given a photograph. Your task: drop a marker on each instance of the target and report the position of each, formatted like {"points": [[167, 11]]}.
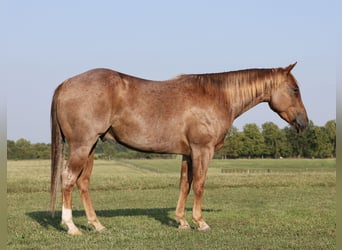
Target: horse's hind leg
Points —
{"points": [[184, 185], [76, 163], [83, 187], [200, 158]]}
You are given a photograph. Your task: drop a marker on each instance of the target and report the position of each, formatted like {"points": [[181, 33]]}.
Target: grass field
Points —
{"points": [[249, 204]]}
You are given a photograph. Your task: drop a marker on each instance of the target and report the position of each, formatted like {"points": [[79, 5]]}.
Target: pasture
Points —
{"points": [[249, 204]]}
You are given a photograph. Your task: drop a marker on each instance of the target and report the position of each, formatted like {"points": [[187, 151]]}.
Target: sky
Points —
{"points": [[45, 42]]}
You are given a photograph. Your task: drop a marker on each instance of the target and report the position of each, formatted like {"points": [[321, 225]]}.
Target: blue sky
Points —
{"points": [[45, 42]]}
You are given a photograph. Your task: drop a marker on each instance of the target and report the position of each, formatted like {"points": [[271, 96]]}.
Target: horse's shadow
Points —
{"points": [[45, 219]]}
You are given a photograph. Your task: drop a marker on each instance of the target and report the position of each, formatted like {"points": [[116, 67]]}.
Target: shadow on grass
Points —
{"points": [[45, 219]]}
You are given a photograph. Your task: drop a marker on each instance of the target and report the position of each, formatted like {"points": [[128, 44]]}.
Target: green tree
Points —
{"points": [[24, 150], [253, 141], [11, 150], [295, 142], [275, 141], [109, 150], [325, 148], [316, 142], [232, 145], [40, 151], [330, 129]]}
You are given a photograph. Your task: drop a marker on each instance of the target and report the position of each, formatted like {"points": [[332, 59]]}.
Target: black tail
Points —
{"points": [[57, 152]]}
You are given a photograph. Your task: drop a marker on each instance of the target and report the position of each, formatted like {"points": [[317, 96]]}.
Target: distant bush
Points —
{"points": [[23, 149]]}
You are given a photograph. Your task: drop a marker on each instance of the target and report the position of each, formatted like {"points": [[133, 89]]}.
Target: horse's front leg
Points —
{"points": [[200, 159], [184, 185]]}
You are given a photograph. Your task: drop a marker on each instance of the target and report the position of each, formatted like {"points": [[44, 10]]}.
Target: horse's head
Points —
{"points": [[287, 102]]}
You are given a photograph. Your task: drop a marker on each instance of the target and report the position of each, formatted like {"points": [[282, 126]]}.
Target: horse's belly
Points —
{"points": [[158, 141]]}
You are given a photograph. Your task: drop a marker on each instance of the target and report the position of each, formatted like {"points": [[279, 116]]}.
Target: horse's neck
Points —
{"points": [[241, 100], [242, 108]]}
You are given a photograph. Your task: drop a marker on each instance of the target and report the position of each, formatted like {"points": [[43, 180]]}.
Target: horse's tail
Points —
{"points": [[57, 152]]}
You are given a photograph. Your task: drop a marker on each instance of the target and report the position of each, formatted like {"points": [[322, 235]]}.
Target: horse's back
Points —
{"points": [[94, 77]]}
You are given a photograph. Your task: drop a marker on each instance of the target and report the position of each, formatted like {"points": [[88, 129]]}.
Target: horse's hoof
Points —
{"points": [[204, 227], [71, 231], [102, 229], [97, 226], [184, 227], [74, 232]]}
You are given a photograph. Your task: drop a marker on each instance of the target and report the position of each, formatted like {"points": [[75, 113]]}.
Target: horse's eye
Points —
{"points": [[296, 90]]}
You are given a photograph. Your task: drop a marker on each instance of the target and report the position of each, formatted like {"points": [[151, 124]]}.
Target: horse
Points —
{"points": [[189, 115]]}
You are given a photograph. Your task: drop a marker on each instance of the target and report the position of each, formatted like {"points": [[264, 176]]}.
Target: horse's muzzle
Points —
{"points": [[301, 122]]}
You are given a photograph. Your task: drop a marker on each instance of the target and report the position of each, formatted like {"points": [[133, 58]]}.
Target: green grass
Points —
{"points": [[294, 208]]}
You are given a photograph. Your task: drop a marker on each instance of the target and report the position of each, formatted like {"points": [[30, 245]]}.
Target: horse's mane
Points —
{"points": [[246, 83]]}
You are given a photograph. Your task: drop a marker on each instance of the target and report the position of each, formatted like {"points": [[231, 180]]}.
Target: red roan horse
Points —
{"points": [[188, 115]]}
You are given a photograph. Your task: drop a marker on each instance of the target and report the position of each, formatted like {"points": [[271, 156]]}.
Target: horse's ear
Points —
{"points": [[288, 69]]}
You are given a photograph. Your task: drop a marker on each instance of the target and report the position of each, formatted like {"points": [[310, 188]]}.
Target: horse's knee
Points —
{"points": [[198, 188]]}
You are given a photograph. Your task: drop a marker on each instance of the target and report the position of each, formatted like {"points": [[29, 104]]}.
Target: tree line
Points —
{"points": [[269, 141]]}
